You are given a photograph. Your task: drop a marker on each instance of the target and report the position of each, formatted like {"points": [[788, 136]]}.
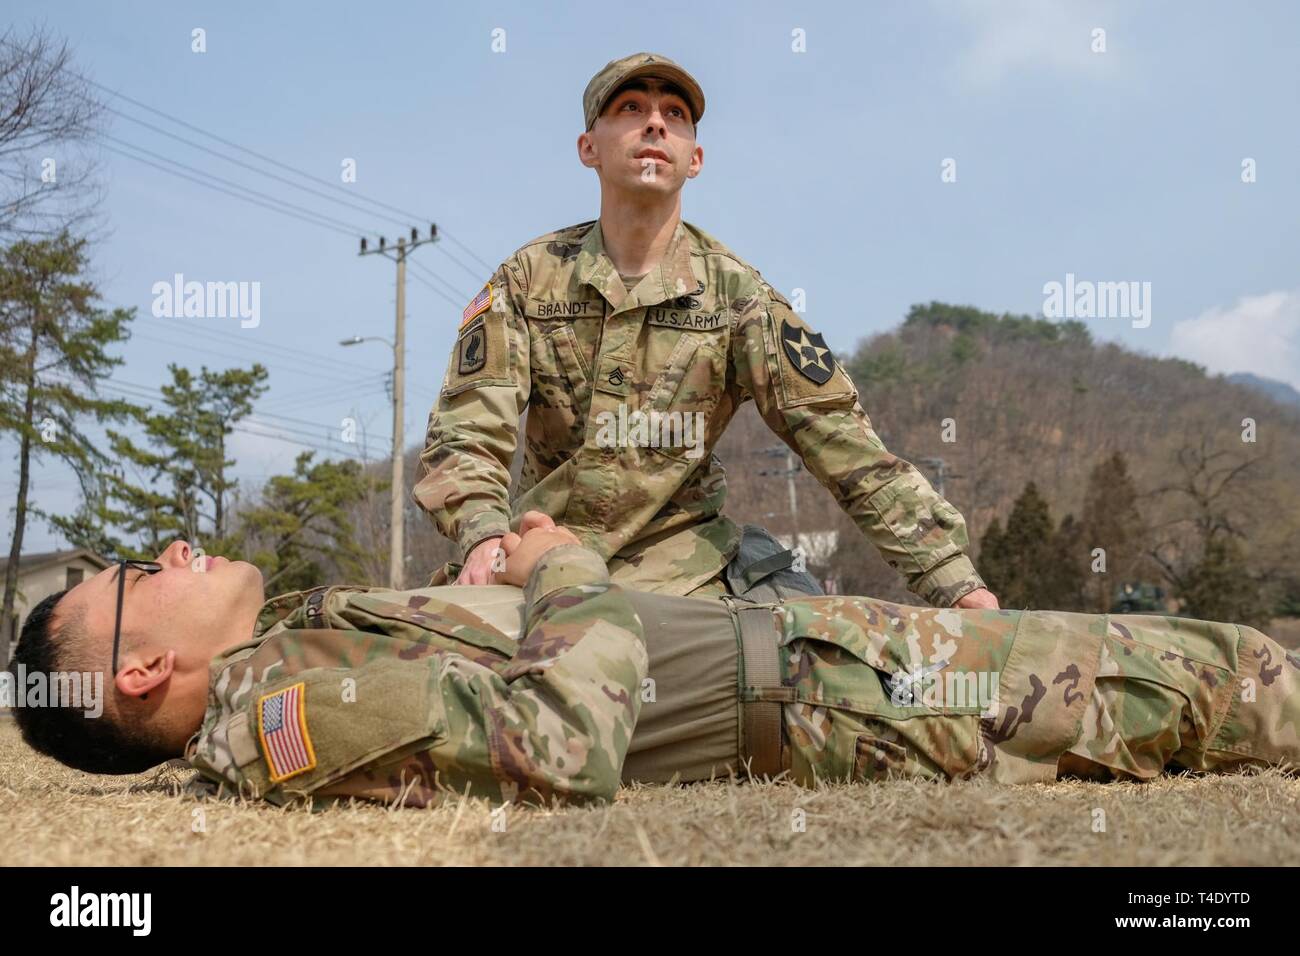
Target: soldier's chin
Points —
{"points": [[251, 573]]}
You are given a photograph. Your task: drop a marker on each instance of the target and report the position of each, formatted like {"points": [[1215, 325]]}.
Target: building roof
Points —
{"points": [[42, 559]]}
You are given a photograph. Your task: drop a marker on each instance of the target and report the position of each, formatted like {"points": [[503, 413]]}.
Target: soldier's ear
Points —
{"points": [[587, 150], [141, 674], [697, 162]]}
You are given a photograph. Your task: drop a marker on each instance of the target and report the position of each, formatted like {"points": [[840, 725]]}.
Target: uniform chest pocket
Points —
{"points": [[685, 395], [561, 386]]}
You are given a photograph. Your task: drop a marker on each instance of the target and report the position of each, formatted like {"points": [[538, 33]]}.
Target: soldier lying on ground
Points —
{"points": [[533, 694]]}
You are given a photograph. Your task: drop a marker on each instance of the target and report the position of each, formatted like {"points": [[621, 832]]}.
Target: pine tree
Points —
{"points": [[179, 482], [53, 353], [1112, 521], [1065, 578], [1032, 564], [1219, 587], [303, 521], [994, 566]]}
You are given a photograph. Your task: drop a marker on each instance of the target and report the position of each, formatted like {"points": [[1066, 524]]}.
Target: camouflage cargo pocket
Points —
{"points": [[933, 748], [829, 743], [561, 388], [685, 395], [875, 758]]}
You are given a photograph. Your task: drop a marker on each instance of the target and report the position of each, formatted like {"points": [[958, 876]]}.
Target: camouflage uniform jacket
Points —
{"points": [[557, 332], [347, 691]]}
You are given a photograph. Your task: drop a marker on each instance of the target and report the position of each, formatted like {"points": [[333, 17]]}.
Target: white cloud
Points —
{"points": [[1259, 334], [1010, 36]]}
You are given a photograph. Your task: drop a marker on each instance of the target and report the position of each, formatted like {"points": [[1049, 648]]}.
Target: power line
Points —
{"points": [[210, 351], [228, 192], [377, 386], [261, 172], [352, 193], [301, 213], [147, 391], [429, 285], [473, 273], [325, 450], [285, 350], [143, 392], [356, 230], [425, 269], [471, 252]]}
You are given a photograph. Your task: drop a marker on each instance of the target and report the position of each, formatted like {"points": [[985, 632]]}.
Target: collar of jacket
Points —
{"points": [[677, 273]]}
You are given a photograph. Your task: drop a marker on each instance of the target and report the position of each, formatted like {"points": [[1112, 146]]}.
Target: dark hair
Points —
{"points": [[639, 83], [95, 745]]}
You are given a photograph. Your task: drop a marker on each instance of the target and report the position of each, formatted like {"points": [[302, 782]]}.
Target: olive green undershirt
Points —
{"points": [[691, 728]]}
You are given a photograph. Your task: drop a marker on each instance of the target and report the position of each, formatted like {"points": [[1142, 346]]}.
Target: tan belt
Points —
{"points": [[761, 692]]}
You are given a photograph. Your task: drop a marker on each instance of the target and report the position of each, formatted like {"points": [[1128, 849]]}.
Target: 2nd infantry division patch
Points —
{"points": [[808, 353], [282, 729], [473, 349]]}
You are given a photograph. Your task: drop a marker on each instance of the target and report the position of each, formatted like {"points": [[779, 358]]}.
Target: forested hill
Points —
{"points": [[1026, 399]]}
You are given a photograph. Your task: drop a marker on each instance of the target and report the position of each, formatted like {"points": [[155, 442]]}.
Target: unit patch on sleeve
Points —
{"points": [[807, 353], [473, 349]]}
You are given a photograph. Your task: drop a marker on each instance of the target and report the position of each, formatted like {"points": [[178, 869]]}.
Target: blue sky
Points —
{"points": [[822, 168]]}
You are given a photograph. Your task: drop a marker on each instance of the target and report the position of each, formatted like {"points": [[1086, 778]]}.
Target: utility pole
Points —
{"points": [[941, 472], [792, 468], [397, 496]]}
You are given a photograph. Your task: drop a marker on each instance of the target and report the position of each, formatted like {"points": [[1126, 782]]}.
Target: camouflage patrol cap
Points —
{"points": [[616, 72]]}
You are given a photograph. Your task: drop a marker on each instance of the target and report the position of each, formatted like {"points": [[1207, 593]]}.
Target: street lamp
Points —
{"points": [[396, 545]]}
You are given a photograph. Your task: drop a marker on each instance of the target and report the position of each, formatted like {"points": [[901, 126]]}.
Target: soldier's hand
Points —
{"points": [[479, 562], [979, 598], [535, 519], [523, 552]]}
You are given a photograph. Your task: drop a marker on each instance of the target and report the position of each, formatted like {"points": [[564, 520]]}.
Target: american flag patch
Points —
{"points": [[478, 304], [282, 727]]}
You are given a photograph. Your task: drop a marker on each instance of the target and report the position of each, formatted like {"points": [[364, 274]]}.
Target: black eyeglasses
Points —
{"points": [[148, 567]]}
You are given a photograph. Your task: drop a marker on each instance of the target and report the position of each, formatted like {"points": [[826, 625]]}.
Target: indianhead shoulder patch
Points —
{"points": [[478, 305], [282, 729], [807, 352], [473, 349]]}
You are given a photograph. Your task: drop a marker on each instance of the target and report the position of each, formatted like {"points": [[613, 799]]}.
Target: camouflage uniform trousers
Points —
{"points": [[1027, 696]]}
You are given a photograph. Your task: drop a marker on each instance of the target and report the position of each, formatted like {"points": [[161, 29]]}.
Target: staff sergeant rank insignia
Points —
{"points": [[808, 353]]}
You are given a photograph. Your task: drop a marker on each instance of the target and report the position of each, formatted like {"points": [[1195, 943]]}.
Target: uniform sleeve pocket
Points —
{"points": [[320, 724], [481, 355]]}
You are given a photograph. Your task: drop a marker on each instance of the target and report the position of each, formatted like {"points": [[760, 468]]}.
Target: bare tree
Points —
{"points": [[49, 117], [1200, 548]]}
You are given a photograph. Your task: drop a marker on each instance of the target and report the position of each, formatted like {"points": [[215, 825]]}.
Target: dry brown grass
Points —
{"points": [[54, 815]]}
